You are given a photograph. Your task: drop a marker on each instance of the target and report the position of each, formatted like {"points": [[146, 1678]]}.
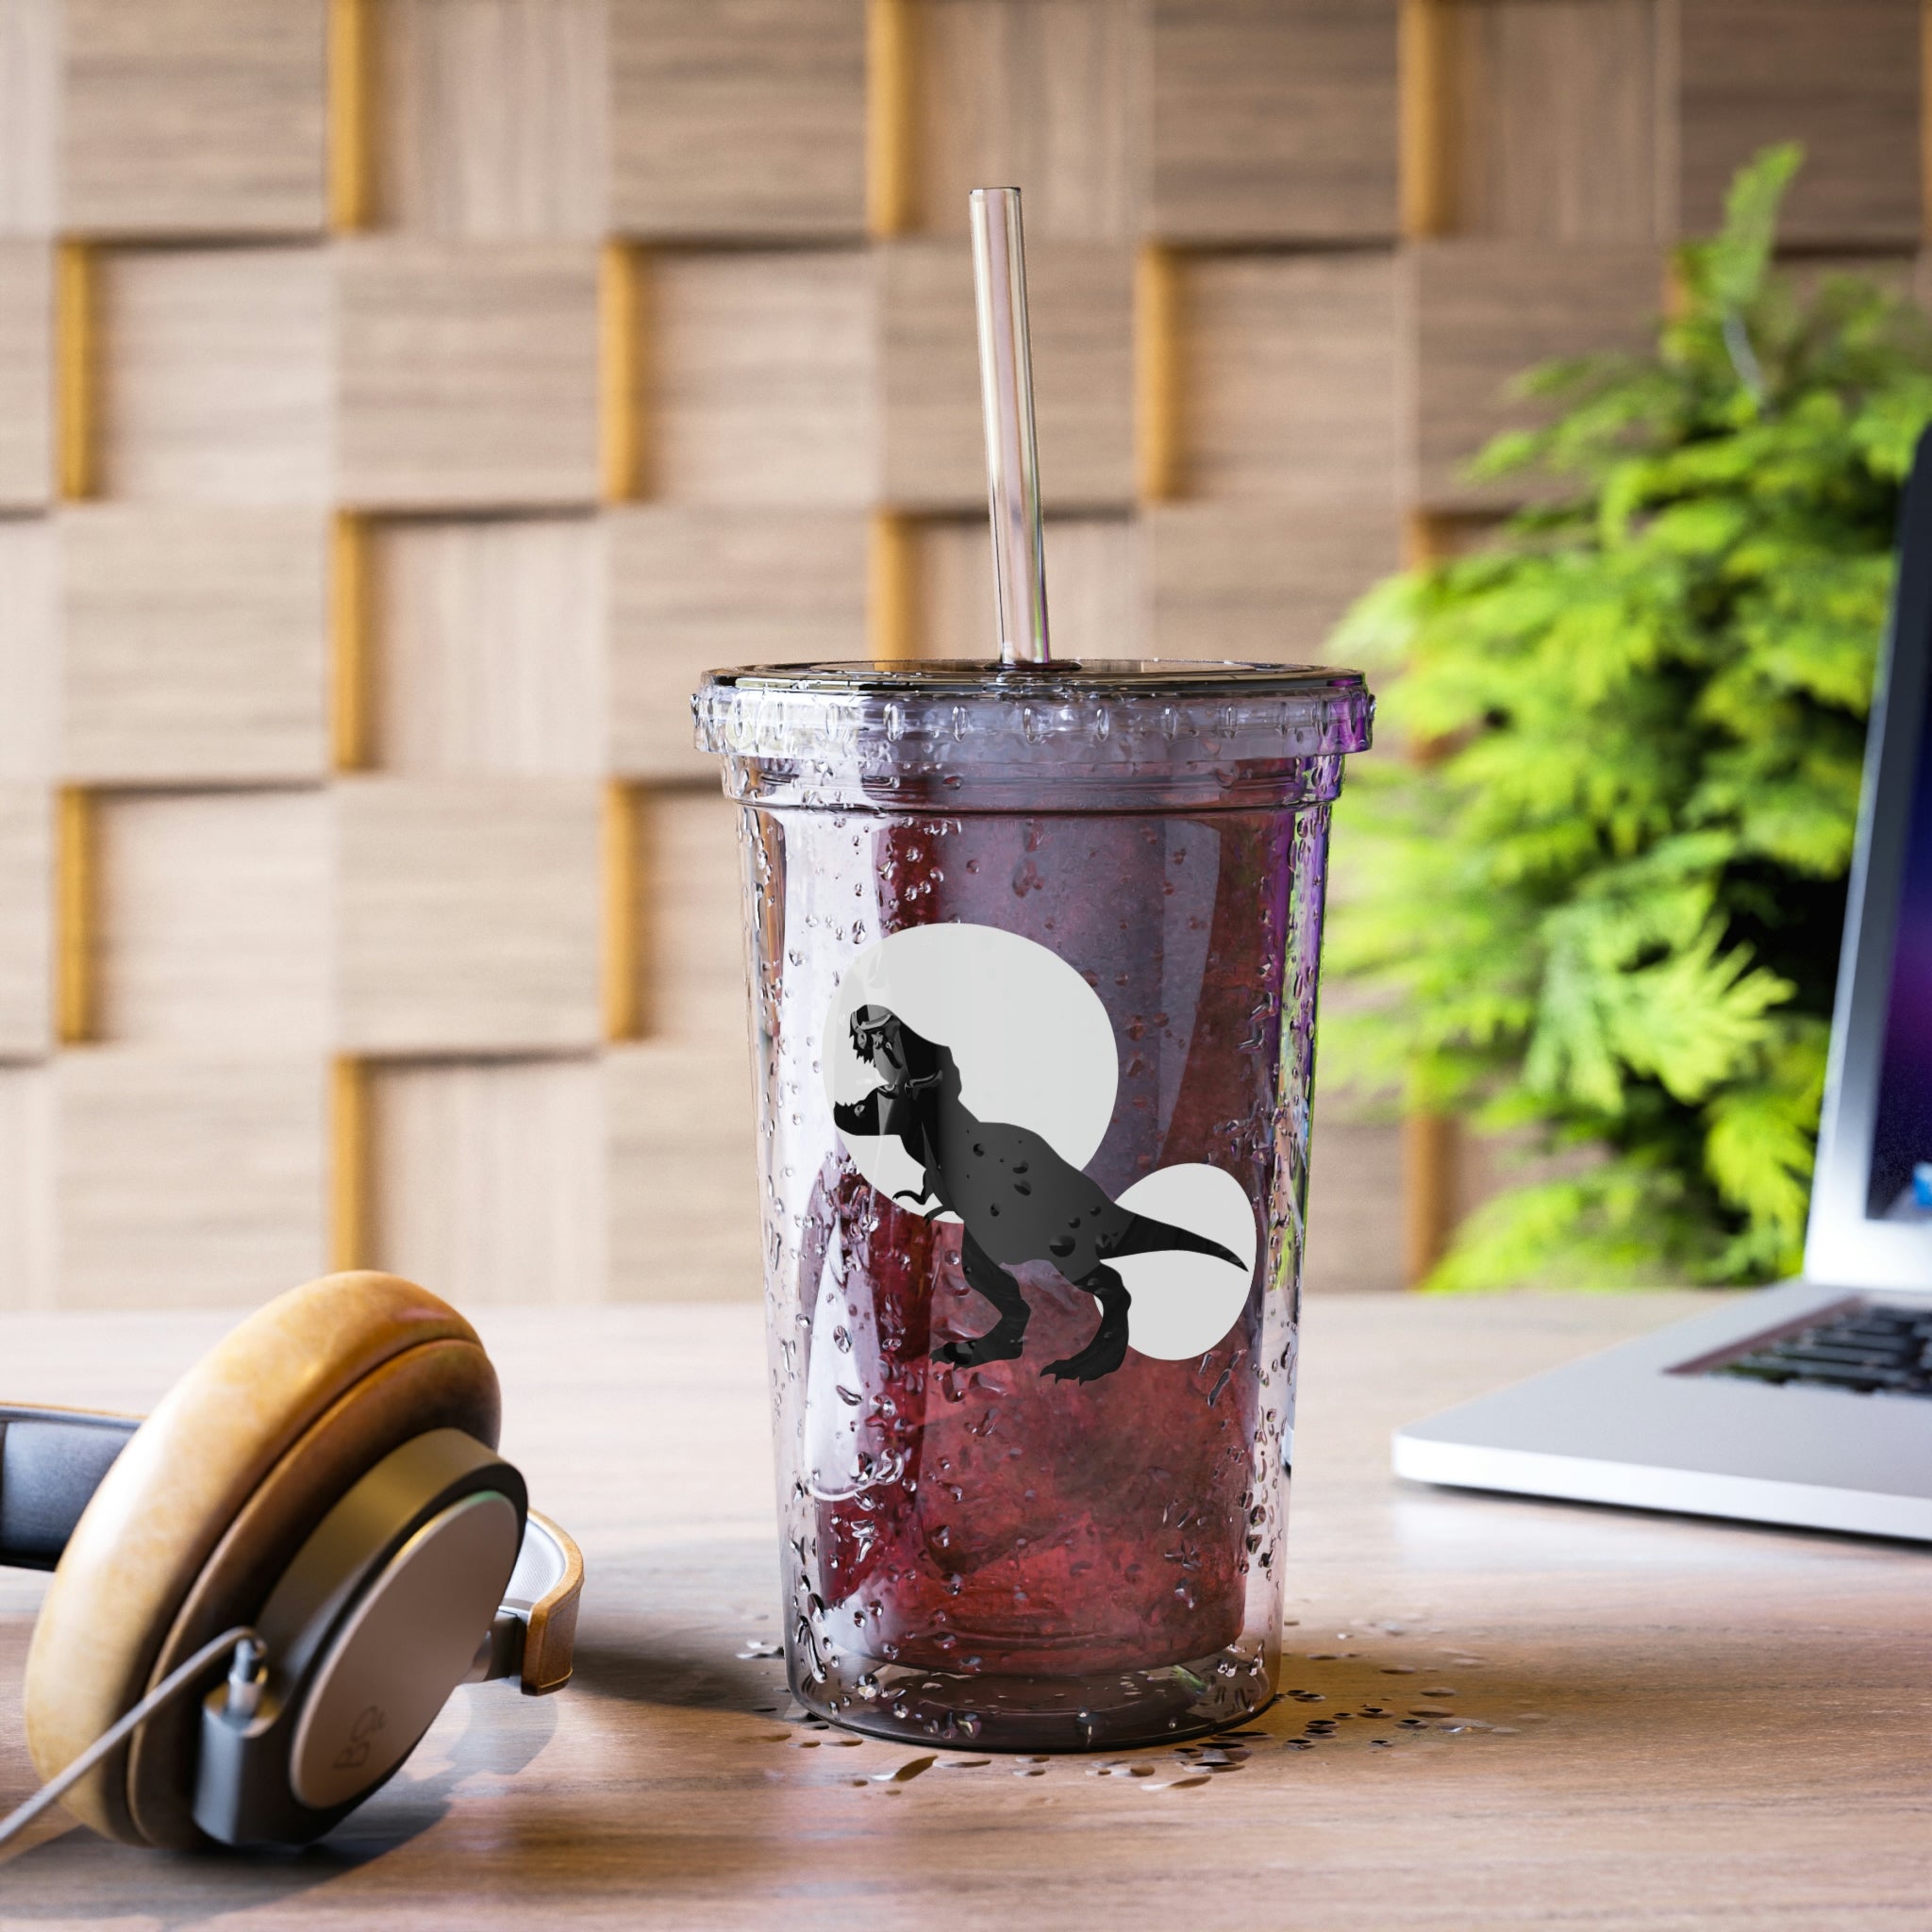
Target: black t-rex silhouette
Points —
{"points": [[1018, 1199]]}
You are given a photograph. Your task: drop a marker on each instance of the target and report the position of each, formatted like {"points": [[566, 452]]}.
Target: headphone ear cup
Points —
{"points": [[207, 1504]]}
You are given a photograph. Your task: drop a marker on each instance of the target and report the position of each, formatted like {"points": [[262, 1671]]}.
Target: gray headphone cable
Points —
{"points": [[244, 1688]]}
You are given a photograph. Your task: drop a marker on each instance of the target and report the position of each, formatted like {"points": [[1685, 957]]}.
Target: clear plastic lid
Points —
{"points": [[1074, 735]]}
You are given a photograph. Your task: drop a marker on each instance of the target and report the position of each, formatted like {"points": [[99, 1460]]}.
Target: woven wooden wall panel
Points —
{"points": [[192, 644], [185, 1179], [692, 587], [467, 915], [1843, 77], [214, 921], [388, 442], [1273, 120], [1040, 92], [1558, 137], [489, 121], [486, 641], [193, 117], [738, 118], [468, 374], [27, 366], [213, 373]]}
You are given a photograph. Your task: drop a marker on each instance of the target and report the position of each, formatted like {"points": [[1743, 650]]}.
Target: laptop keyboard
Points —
{"points": [[1869, 1349]]}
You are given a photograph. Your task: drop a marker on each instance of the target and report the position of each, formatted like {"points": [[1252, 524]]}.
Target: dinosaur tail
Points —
{"points": [[1145, 1236]]}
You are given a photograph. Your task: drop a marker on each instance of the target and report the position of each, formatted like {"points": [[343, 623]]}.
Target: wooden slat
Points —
{"points": [[692, 589], [492, 1182], [892, 587], [352, 78], [891, 159], [762, 374], [1289, 379], [695, 953], [1427, 106], [193, 117], [192, 644], [28, 1278], [1081, 299], [1273, 121], [1553, 129], [28, 366], [1254, 580], [623, 351], [187, 1179], [1044, 94], [490, 118], [627, 913], [1158, 325], [29, 650], [468, 374], [77, 895], [214, 375], [1430, 1192], [1481, 313], [351, 1166], [1842, 77], [738, 118], [27, 892], [683, 1174], [487, 645], [1093, 582], [211, 920], [29, 116], [1355, 1241], [467, 915]]}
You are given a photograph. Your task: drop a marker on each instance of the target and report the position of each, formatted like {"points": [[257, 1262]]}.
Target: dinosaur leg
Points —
{"points": [[1109, 1348], [1001, 1343]]}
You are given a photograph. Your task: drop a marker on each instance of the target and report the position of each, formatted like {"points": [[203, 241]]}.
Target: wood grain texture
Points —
{"points": [[1093, 581], [29, 114], [738, 118], [27, 1278], [1842, 77], [692, 589], [184, 1179], [192, 117], [761, 376], [683, 1177], [1273, 120], [1477, 315], [491, 1178], [468, 374], [29, 650], [1081, 304], [1355, 1183], [488, 645], [1700, 1723], [26, 920], [693, 943], [192, 643], [1250, 580], [26, 375], [467, 915], [490, 118], [215, 375], [1553, 116], [1046, 95], [213, 920], [1288, 379]]}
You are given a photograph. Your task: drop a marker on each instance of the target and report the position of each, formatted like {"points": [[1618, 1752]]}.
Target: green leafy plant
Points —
{"points": [[1605, 910]]}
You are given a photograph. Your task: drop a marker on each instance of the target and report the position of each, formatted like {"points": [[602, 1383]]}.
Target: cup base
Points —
{"points": [[1108, 1710]]}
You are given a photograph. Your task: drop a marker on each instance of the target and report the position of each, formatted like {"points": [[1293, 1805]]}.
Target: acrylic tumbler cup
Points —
{"points": [[1033, 956]]}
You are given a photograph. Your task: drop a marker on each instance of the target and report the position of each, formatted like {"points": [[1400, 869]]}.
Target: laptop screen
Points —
{"points": [[1900, 1178]]}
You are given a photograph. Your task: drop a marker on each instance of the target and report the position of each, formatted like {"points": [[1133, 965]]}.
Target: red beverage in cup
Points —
{"points": [[1034, 957]]}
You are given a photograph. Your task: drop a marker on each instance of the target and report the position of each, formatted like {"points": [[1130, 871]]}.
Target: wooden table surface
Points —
{"points": [[1676, 1724]]}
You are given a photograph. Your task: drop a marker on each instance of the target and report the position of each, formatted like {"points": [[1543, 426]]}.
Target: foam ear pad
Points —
{"points": [[206, 1505]]}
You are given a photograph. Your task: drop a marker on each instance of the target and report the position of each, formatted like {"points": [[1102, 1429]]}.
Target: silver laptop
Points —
{"points": [[1809, 1403]]}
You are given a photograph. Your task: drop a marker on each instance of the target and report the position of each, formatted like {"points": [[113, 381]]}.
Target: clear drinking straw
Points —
{"points": [[1005, 391]]}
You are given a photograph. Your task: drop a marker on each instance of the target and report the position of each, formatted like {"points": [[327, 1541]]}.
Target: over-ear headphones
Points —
{"points": [[318, 1504]]}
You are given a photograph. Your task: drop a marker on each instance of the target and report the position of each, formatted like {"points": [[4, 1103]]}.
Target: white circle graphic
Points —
{"points": [[1184, 1304], [1032, 1040]]}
